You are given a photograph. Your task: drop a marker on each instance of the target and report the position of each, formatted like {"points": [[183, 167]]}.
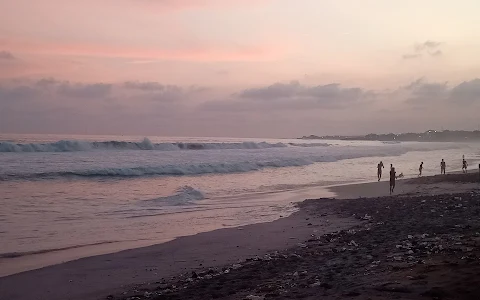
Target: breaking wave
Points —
{"points": [[146, 144], [166, 170], [183, 196], [310, 145]]}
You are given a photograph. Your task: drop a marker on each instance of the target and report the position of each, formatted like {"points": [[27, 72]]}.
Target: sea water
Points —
{"points": [[64, 197]]}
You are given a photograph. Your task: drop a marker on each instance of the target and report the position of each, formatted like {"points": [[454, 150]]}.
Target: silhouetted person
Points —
{"points": [[420, 169], [443, 166], [392, 179], [379, 170], [464, 165]]}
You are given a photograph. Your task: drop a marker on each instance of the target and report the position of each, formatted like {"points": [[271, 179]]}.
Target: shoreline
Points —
{"points": [[15, 263], [421, 246], [114, 272], [98, 276]]}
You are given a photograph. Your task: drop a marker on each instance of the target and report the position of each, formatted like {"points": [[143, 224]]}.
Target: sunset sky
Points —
{"points": [[240, 68]]}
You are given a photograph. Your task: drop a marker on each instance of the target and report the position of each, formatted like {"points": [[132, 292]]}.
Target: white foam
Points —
{"points": [[146, 144], [184, 195], [310, 144]]}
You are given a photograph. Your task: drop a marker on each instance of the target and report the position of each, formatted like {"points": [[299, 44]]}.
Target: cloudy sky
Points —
{"points": [[240, 68]]}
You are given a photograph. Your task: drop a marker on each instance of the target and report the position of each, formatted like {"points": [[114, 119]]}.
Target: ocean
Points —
{"points": [[66, 197]]}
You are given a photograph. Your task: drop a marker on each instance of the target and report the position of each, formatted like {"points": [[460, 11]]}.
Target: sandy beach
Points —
{"points": [[239, 150], [422, 242]]}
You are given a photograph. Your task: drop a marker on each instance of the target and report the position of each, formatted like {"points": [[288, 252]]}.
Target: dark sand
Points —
{"points": [[406, 247], [419, 245]]}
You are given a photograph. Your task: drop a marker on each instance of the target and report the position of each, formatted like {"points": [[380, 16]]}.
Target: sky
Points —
{"points": [[238, 68]]}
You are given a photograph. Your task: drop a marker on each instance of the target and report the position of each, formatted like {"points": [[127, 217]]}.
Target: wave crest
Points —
{"points": [[184, 195], [146, 144], [166, 170], [309, 144]]}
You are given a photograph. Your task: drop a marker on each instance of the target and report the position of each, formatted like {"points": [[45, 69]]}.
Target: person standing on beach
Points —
{"points": [[464, 165], [443, 166], [420, 169], [379, 170], [392, 179]]}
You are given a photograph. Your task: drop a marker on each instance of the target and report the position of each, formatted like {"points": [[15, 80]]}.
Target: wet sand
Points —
{"points": [[424, 243], [427, 185], [98, 276]]}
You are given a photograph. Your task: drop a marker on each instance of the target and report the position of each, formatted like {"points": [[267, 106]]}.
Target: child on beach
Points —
{"points": [[379, 170], [443, 166], [392, 179], [464, 165], [420, 169]]}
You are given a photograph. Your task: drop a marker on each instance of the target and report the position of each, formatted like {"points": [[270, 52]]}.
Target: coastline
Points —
{"points": [[92, 277], [98, 276], [14, 263]]}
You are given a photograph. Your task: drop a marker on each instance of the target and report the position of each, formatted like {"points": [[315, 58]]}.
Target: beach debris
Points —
{"points": [[315, 284], [397, 258], [147, 294], [353, 243], [373, 264], [367, 217]]}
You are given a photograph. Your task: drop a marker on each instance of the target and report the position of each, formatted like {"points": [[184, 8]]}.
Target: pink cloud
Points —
{"points": [[194, 4], [199, 53]]}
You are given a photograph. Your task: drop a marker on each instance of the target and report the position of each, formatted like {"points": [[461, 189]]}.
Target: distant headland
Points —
{"points": [[427, 136]]}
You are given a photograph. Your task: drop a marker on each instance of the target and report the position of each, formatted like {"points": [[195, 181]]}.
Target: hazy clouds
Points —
{"points": [[290, 109], [5, 55], [427, 48], [237, 67]]}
